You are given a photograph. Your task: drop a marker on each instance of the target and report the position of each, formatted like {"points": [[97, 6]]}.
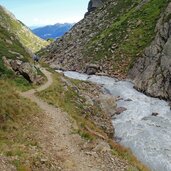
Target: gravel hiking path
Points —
{"points": [[64, 147]]}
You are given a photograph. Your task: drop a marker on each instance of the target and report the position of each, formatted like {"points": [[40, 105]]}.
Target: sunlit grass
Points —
{"points": [[17, 127], [63, 96]]}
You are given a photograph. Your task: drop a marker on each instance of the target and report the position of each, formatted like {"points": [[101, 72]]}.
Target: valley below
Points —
{"points": [[145, 124]]}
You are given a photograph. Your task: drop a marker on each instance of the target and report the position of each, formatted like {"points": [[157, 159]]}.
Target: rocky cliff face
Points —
{"points": [[113, 37], [152, 72]]}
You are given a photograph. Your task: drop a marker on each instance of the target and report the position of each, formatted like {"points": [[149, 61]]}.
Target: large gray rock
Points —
{"points": [[27, 70], [108, 104], [92, 69], [15, 64], [93, 4], [152, 72]]}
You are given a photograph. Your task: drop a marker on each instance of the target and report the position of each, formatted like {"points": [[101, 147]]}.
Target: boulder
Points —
{"points": [[103, 119], [155, 114], [57, 67], [92, 69], [15, 64], [93, 4], [28, 71], [108, 104]]}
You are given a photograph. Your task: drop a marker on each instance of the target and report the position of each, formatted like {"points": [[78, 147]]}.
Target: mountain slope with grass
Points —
{"points": [[110, 39], [16, 60], [19, 117], [40, 135], [57, 126], [9, 23], [17, 114], [17, 46]]}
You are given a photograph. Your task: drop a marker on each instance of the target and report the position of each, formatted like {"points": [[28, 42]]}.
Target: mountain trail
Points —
{"points": [[61, 145]]}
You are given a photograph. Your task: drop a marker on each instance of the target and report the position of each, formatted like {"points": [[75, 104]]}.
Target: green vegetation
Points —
{"points": [[11, 48], [131, 31], [64, 94], [9, 76], [16, 114], [50, 40], [25, 36], [17, 128], [65, 97]]}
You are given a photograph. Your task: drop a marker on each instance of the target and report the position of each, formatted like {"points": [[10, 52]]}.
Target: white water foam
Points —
{"points": [[149, 137]]}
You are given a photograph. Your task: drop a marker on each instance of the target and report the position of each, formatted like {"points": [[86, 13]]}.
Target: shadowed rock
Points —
{"points": [[152, 72], [27, 70], [93, 4]]}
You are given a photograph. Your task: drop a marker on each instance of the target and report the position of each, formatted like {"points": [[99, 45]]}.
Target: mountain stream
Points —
{"points": [[148, 136]]}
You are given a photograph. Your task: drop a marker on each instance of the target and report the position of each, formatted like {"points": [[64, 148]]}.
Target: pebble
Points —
{"points": [[155, 114], [119, 110]]}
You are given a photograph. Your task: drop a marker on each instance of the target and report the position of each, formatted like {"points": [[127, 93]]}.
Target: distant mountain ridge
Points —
{"points": [[52, 31]]}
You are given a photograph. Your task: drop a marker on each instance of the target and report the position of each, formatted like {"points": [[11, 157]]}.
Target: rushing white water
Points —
{"points": [[149, 137]]}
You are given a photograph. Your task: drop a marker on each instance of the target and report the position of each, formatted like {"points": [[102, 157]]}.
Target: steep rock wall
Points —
{"points": [[152, 72]]}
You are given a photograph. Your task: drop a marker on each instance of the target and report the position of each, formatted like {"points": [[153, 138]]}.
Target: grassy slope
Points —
{"points": [[17, 128], [11, 48], [5, 50], [67, 98], [133, 30], [15, 38], [16, 114], [25, 36]]}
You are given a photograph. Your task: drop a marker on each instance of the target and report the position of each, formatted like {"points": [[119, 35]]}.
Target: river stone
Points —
{"points": [[91, 69], [108, 104], [155, 114], [120, 110], [128, 100]]}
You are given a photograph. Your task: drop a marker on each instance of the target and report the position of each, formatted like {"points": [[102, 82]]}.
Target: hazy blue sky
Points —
{"points": [[43, 12]]}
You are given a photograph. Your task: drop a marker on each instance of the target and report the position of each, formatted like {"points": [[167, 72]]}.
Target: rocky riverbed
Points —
{"points": [[143, 124]]}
